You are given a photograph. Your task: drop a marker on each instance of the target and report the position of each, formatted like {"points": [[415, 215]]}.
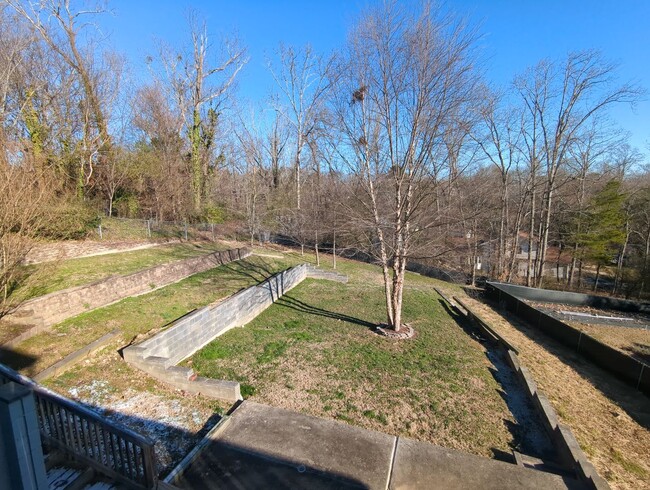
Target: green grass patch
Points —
{"points": [[140, 314], [85, 270], [314, 350], [629, 466], [272, 351]]}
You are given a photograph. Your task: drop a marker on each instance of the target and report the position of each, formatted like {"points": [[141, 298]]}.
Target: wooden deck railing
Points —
{"points": [[111, 449]]}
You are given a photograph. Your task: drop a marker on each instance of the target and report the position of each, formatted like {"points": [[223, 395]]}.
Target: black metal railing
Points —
{"points": [[111, 449]]}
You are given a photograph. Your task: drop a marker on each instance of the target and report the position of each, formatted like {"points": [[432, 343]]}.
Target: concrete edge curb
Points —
{"points": [[485, 326], [561, 436], [76, 356], [189, 458], [183, 378]]}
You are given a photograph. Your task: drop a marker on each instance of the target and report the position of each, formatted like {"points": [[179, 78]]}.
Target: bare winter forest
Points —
{"points": [[395, 145]]}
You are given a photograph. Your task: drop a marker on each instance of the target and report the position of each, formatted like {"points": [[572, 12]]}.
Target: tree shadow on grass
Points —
{"points": [[288, 301], [258, 271]]}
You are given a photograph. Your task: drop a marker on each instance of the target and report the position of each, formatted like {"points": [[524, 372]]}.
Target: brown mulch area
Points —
{"points": [[610, 420]]}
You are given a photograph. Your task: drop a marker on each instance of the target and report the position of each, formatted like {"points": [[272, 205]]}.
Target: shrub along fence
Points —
{"points": [[624, 367]]}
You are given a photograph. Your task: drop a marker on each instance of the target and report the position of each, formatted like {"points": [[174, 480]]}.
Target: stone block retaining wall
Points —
{"points": [[45, 311], [625, 367], [49, 252], [159, 355]]}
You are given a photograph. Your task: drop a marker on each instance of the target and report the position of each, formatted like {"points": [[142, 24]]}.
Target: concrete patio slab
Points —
{"points": [[325, 446], [420, 465], [266, 447]]}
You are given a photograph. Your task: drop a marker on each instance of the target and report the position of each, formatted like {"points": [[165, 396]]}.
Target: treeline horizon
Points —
{"points": [[396, 144]]}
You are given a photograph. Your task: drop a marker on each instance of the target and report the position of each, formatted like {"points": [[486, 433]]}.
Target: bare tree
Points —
{"points": [[24, 208], [251, 167], [162, 175], [499, 139], [303, 80], [199, 88], [60, 26], [405, 80], [560, 100]]}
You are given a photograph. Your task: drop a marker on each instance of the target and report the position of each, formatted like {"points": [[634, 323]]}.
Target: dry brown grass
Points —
{"points": [[634, 342], [609, 419]]}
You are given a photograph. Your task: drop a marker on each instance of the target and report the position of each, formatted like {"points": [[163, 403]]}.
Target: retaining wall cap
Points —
{"points": [[133, 353], [181, 371], [571, 444], [514, 360], [547, 410], [599, 483], [528, 380]]}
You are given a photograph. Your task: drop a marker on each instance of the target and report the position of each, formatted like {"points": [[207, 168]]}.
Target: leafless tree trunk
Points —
{"points": [[501, 147], [200, 89], [303, 80], [562, 100], [407, 79]]}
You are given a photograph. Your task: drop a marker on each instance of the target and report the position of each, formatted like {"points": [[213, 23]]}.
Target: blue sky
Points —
{"points": [[515, 34]]}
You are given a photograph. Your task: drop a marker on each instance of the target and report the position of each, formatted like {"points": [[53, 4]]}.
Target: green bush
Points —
{"points": [[212, 214], [72, 219]]}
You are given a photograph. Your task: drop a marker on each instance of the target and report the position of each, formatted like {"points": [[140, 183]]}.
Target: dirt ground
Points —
{"points": [[173, 419], [610, 420]]}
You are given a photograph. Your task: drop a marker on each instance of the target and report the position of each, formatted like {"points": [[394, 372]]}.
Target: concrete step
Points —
{"points": [[527, 461]]}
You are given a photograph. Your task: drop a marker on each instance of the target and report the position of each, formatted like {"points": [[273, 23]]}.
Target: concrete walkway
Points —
{"points": [[266, 447]]}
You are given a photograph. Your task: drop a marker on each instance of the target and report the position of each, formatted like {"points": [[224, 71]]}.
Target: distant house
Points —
{"points": [[556, 264]]}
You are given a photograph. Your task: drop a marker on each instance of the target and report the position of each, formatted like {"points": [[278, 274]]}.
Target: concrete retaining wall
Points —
{"points": [[159, 355], [194, 331], [48, 310], [568, 298], [625, 367]]}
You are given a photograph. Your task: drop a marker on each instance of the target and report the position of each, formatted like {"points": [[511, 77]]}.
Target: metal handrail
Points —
{"points": [[113, 450]]}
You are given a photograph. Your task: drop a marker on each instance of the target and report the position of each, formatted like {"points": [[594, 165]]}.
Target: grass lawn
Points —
{"points": [[314, 351], [85, 270], [138, 315]]}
